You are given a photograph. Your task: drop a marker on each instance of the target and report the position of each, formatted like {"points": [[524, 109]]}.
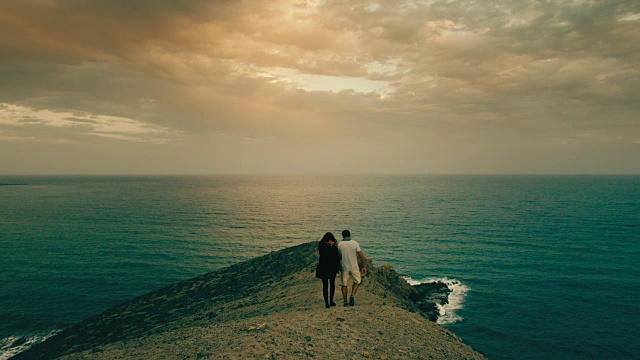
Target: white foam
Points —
{"points": [[454, 300], [7, 349]]}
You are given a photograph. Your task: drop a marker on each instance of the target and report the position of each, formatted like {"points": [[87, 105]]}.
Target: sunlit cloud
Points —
{"points": [[630, 17], [425, 85], [311, 82], [20, 118]]}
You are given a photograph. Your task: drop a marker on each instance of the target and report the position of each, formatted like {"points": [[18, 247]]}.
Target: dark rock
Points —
{"points": [[19, 341], [212, 315], [391, 281], [428, 296], [436, 292]]}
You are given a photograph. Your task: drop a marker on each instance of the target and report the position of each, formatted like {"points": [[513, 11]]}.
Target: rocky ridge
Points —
{"points": [[269, 307]]}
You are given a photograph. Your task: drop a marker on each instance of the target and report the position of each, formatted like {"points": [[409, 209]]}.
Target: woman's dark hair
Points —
{"points": [[326, 238]]}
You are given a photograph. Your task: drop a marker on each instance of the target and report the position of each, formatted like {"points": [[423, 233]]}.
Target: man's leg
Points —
{"points": [[344, 278], [354, 288]]}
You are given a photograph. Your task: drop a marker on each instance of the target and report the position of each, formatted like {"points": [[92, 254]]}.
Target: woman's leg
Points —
{"points": [[332, 291], [325, 291]]}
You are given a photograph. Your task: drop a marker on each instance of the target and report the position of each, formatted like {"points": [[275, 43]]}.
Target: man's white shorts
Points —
{"points": [[350, 274]]}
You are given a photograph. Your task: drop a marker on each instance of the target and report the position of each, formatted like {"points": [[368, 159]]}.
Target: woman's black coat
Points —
{"points": [[329, 264]]}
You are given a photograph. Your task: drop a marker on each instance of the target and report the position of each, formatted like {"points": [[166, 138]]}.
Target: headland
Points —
{"points": [[269, 307]]}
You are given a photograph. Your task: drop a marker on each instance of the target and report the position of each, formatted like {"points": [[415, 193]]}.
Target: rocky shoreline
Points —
{"points": [[269, 307], [428, 296]]}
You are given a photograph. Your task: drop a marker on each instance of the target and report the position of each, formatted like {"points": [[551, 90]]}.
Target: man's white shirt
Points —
{"points": [[349, 251]]}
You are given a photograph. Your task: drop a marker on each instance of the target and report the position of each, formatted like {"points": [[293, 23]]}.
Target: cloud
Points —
{"points": [[27, 124], [477, 74]]}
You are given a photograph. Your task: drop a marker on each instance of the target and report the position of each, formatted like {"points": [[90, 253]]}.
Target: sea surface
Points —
{"points": [[543, 267]]}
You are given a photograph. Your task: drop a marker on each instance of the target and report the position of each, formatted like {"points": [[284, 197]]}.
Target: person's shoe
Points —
{"points": [[346, 303], [352, 301], [327, 306], [332, 303]]}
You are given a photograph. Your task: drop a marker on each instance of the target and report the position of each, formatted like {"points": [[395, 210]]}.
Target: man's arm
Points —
{"points": [[364, 267]]}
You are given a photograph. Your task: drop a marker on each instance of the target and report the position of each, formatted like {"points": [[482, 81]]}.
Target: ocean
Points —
{"points": [[542, 267]]}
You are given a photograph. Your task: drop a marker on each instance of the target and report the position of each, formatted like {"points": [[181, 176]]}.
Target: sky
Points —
{"points": [[319, 87]]}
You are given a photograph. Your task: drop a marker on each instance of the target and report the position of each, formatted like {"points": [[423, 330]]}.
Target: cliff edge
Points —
{"points": [[270, 307]]}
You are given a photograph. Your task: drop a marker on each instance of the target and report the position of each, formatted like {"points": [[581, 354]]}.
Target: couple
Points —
{"points": [[341, 258]]}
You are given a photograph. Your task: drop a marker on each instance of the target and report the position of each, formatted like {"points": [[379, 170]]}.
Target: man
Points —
{"points": [[349, 269]]}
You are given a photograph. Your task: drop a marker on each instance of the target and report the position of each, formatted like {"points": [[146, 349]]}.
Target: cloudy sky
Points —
{"points": [[319, 86]]}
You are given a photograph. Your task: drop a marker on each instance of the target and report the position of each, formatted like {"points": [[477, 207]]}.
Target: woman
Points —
{"points": [[328, 267]]}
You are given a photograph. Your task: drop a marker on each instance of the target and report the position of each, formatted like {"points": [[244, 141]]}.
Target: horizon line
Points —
{"points": [[323, 174]]}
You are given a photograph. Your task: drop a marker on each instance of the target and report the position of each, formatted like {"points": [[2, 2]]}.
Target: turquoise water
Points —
{"points": [[548, 265]]}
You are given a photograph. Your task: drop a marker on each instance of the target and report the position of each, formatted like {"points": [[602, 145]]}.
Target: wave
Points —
{"points": [[455, 299], [13, 345]]}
